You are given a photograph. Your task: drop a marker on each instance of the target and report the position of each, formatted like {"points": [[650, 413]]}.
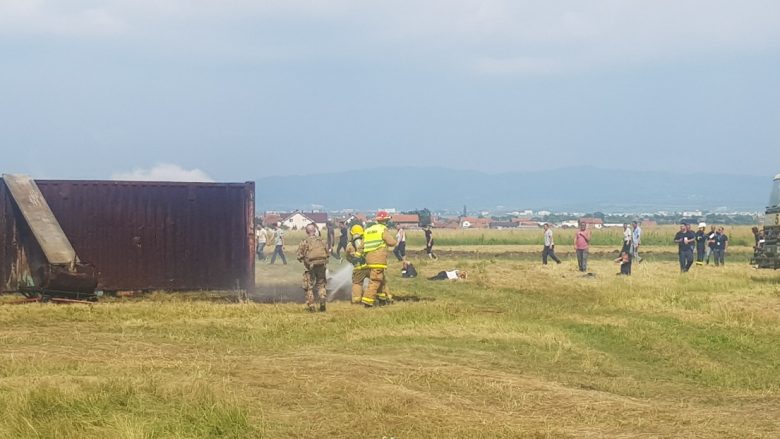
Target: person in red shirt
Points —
{"points": [[581, 244]]}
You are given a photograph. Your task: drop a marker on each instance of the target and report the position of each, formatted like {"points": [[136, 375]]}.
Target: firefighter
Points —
{"points": [[357, 259], [314, 255], [376, 240]]}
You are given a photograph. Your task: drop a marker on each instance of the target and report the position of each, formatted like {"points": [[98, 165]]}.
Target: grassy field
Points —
{"points": [[739, 236], [518, 350], [651, 236]]}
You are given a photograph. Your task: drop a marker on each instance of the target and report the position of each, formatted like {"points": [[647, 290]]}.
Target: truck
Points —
{"points": [[767, 254]]}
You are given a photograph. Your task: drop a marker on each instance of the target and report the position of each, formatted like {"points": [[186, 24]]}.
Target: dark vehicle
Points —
{"points": [[768, 252]]}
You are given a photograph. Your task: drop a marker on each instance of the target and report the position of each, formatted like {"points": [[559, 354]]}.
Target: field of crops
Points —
{"points": [[517, 350]]}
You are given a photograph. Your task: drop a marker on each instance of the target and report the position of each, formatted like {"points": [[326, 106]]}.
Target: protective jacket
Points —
{"points": [[312, 251], [355, 253], [376, 240]]}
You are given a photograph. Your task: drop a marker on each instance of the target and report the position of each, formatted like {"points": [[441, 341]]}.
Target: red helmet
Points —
{"points": [[382, 216]]}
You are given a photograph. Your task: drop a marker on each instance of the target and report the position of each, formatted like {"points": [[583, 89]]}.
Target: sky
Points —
{"points": [[233, 90]]}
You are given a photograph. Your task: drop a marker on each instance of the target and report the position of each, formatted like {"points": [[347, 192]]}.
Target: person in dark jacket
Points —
{"points": [[400, 249], [343, 238], [685, 240], [408, 270], [721, 242], [757, 237], [710, 244], [429, 243]]}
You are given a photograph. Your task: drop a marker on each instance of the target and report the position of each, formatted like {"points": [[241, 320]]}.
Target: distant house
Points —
{"points": [[447, 223], [470, 222], [299, 220], [592, 222], [525, 223], [407, 221], [271, 218]]}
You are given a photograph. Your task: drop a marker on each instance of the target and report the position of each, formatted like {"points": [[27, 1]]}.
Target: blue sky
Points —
{"points": [[236, 89]]}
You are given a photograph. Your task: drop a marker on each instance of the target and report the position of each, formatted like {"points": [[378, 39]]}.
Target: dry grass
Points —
{"points": [[518, 350]]}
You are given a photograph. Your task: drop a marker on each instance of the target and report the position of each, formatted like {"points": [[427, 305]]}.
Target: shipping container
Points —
{"points": [[141, 235]]}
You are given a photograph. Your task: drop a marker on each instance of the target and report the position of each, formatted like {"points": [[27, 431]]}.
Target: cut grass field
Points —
{"points": [[518, 350]]}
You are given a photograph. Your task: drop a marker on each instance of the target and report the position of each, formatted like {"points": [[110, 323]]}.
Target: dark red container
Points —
{"points": [[143, 235]]}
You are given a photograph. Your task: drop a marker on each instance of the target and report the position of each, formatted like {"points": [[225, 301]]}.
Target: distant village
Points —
{"points": [[525, 219]]}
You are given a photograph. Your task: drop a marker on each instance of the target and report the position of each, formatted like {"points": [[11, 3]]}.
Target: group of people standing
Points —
{"points": [[276, 235], [343, 238], [632, 239], [705, 244]]}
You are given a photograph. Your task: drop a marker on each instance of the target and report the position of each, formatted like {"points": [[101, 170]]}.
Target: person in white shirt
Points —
{"points": [[278, 244], [400, 249], [627, 237], [549, 245], [261, 238], [636, 240], [450, 275]]}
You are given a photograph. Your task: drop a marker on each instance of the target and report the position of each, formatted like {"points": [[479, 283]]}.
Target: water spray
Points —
{"points": [[340, 278]]}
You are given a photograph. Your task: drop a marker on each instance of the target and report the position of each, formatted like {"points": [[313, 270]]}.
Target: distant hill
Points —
{"points": [[569, 189]]}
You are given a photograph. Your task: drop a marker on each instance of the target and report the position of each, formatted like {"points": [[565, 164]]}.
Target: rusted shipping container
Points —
{"points": [[142, 235]]}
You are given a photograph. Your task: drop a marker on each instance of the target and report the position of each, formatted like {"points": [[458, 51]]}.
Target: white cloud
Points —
{"points": [[163, 172], [490, 36], [39, 17]]}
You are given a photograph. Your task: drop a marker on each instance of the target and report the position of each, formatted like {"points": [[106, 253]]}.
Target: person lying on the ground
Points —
{"points": [[450, 275], [408, 270]]}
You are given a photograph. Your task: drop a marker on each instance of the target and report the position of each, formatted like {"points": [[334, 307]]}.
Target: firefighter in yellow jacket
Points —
{"points": [[357, 259], [377, 239], [314, 255]]}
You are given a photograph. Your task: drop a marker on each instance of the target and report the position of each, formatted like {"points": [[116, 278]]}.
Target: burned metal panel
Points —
{"points": [[7, 246], [22, 262], [149, 235], [249, 215], [139, 236], [40, 219]]}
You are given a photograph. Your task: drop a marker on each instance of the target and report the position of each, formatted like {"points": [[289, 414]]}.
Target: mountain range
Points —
{"points": [[584, 189]]}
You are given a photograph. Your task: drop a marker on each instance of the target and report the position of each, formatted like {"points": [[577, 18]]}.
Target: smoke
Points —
{"points": [[163, 172], [340, 280], [282, 283]]}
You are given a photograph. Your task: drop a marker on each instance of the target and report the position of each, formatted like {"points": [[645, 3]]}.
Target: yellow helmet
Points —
{"points": [[357, 229]]}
